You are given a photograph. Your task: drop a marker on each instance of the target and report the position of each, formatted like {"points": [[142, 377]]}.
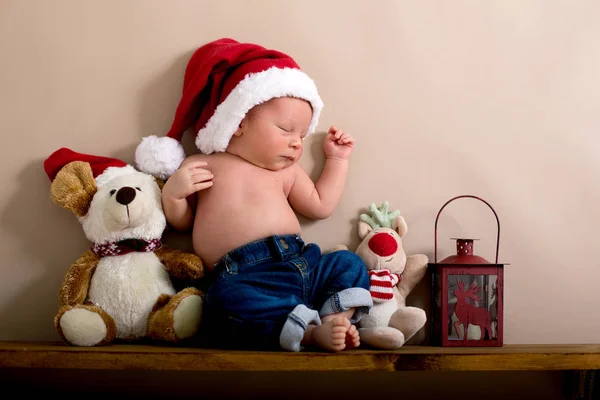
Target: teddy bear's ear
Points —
{"points": [[363, 229], [399, 225], [74, 187], [160, 183]]}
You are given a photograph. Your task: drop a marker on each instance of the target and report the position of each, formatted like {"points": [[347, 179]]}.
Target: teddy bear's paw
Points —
{"points": [[185, 265], [382, 337], [195, 269], [187, 316], [82, 326]]}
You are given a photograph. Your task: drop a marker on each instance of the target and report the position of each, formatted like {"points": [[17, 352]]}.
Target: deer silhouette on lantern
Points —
{"points": [[468, 313]]}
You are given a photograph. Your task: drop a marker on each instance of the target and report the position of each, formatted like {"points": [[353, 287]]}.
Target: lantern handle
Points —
{"points": [[472, 197]]}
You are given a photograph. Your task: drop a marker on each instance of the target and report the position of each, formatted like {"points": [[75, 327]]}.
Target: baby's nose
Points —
{"points": [[296, 144]]}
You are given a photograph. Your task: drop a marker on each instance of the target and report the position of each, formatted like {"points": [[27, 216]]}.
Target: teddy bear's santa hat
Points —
{"points": [[223, 80], [104, 169]]}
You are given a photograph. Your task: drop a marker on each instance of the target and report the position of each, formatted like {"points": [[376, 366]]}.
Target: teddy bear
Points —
{"points": [[393, 275], [121, 288]]}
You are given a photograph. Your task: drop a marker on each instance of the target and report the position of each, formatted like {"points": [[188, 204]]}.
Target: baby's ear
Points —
{"points": [[240, 130], [74, 187]]}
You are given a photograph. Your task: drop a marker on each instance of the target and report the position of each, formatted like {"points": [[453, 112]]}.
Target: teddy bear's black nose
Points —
{"points": [[125, 195]]}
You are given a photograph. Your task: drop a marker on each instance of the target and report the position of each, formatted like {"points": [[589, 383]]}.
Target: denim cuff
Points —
{"points": [[356, 297], [295, 326]]}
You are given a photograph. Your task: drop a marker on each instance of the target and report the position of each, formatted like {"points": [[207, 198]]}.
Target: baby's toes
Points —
{"points": [[339, 332], [338, 343], [352, 337], [338, 335]]}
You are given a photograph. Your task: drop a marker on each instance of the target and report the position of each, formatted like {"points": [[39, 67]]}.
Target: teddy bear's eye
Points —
{"points": [[138, 189], [112, 192]]}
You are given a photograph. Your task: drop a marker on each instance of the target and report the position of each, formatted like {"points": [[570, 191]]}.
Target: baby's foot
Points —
{"points": [[352, 337], [331, 335]]}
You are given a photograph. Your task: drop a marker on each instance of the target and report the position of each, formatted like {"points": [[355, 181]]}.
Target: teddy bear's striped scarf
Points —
{"points": [[382, 284], [125, 246]]}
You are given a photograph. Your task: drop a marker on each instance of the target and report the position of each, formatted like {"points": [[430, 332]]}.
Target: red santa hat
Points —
{"points": [[223, 80], [104, 169]]}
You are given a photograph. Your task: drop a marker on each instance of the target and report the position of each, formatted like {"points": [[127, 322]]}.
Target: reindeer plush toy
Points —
{"points": [[390, 323]]}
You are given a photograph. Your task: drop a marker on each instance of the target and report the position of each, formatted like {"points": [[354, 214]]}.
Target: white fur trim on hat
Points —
{"points": [[111, 173], [255, 89], [159, 156]]}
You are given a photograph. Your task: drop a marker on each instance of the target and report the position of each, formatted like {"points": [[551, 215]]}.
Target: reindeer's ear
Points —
{"points": [[363, 229], [399, 225], [160, 183], [74, 187]]}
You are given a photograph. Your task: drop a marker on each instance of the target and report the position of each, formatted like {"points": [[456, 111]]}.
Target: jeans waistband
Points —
{"points": [[275, 247]]}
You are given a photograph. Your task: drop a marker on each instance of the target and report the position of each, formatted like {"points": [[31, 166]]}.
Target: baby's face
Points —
{"points": [[271, 134]]}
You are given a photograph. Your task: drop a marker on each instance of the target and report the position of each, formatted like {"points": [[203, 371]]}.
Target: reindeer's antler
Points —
{"points": [[472, 292], [380, 217]]}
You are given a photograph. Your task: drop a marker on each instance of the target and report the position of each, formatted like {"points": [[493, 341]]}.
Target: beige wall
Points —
{"points": [[497, 99]]}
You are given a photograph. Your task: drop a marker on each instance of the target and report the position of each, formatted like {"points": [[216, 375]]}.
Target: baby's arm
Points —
{"points": [[318, 201], [190, 178]]}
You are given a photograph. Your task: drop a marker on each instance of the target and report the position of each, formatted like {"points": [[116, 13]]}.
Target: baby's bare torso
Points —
{"points": [[245, 203]]}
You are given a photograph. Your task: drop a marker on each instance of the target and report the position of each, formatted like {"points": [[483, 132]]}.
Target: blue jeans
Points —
{"points": [[266, 292]]}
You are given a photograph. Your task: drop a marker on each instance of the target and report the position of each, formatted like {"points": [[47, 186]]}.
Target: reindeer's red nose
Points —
{"points": [[383, 244]]}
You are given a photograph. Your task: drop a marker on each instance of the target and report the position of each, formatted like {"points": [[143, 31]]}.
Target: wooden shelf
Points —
{"points": [[409, 358]]}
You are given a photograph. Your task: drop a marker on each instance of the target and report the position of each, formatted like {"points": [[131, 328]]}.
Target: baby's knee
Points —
{"points": [[348, 257], [351, 263]]}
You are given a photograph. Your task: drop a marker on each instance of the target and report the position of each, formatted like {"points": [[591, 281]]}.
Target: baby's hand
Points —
{"points": [[338, 144], [189, 178]]}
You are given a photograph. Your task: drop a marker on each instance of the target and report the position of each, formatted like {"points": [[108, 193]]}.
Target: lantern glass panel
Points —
{"points": [[473, 304]]}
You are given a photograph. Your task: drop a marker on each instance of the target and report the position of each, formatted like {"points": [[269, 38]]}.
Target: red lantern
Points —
{"points": [[467, 294]]}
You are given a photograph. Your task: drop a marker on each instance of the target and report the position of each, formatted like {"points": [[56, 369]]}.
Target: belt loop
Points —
{"points": [[277, 246], [301, 243], [230, 265], [279, 243]]}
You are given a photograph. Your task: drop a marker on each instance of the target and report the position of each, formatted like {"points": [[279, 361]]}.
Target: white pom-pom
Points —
{"points": [[159, 156]]}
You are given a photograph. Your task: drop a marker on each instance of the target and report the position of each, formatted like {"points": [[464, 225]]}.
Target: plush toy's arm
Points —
{"points": [[181, 264], [76, 283], [416, 266]]}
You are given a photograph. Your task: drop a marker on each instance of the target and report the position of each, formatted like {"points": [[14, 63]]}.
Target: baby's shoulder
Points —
{"points": [[220, 162], [294, 170], [195, 157]]}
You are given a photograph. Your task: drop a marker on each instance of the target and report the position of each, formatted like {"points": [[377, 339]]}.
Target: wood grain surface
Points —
{"points": [[410, 358]]}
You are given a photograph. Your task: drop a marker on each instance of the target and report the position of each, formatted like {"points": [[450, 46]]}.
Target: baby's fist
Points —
{"points": [[338, 144]]}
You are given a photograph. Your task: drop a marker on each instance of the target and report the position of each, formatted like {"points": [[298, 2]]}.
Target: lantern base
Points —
{"points": [[472, 343]]}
